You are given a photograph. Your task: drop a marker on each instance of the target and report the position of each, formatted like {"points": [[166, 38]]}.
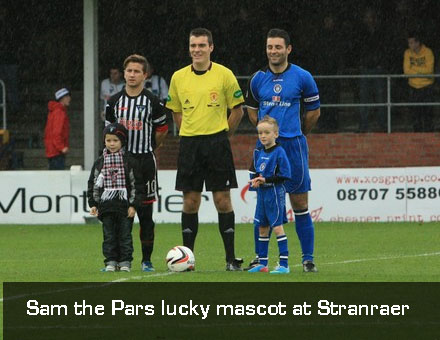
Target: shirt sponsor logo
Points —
{"points": [[277, 88], [276, 103], [132, 124], [238, 94], [122, 108]]}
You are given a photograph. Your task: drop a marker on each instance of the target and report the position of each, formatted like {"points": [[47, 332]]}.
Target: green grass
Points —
{"points": [[344, 252], [384, 252]]}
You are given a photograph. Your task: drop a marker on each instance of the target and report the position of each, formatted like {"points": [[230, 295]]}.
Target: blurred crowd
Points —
{"points": [[328, 37]]}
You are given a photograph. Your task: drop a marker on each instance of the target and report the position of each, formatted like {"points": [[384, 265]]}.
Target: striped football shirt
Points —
{"points": [[141, 115]]}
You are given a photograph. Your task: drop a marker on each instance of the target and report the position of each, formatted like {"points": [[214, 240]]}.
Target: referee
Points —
{"points": [[144, 116], [199, 97]]}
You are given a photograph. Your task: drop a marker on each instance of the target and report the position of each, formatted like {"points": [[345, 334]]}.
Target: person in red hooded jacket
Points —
{"points": [[56, 133]]}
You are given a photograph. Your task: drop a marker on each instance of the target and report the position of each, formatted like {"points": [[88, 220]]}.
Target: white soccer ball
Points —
{"points": [[180, 259]]}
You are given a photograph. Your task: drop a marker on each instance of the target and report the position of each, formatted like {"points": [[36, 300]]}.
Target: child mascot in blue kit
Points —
{"points": [[269, 169]]}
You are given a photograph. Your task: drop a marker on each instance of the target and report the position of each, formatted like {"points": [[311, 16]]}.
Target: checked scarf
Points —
{"points": [[112, 176]]}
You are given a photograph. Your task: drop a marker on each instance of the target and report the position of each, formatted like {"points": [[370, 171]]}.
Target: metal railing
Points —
{"points": [[3, 103], [388, 104]]}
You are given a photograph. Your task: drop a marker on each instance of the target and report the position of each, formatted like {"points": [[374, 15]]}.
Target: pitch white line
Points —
{"points": [[97, 285], [141, 277], [91, 286], [138, 277], [395, 257]]}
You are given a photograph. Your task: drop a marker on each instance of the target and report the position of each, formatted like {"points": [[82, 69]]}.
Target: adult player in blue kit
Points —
{"points": [[269, 169], [278, 90]]}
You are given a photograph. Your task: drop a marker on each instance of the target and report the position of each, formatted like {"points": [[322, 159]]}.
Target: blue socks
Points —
{"points": [[256, 239], [306, 233], [284, 251], [257, 236], [263, 249]]}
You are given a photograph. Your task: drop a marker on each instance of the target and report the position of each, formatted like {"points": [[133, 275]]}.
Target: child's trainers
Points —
{"points": [[109, 268], [259, 268], [147, 266], [124, 269], [280, 270]]}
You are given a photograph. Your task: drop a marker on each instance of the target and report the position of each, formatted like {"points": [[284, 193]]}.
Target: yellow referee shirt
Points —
{"points": [[203, 99]]}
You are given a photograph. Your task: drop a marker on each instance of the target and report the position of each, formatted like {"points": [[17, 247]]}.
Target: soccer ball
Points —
{"points": [[180, 259]]}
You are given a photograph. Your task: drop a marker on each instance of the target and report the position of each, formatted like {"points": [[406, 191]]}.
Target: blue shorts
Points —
{"points": [[271, 206], [297, 152]]}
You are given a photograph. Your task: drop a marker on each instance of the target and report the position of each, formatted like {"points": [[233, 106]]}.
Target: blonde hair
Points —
{"points": [[269, 120]]}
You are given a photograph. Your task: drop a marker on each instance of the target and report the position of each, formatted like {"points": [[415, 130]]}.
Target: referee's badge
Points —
{"points": [[213, 96], [262, 166], [277, 88]]}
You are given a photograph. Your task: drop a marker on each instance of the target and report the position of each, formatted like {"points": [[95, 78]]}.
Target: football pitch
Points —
{"points": [[345, 252]]}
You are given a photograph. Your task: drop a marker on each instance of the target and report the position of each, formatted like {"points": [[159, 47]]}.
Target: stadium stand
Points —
{"points": [[47, 54]]}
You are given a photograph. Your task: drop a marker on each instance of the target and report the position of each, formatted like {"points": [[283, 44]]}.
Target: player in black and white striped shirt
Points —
{"points": [[145, 118]]}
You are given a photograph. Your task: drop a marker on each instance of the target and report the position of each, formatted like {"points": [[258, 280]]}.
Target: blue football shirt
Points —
{"points": [[279, 95], [271, 164]]}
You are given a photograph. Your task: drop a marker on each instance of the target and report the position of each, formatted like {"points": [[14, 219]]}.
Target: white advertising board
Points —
{"points": [[339, 195]]}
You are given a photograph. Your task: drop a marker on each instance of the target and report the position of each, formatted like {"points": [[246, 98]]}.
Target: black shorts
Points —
{"points": [[147, 165], [205, 159]]}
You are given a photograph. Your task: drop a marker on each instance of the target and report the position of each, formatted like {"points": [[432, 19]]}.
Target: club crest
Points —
{"points": [[277, 88], [141, 108]]}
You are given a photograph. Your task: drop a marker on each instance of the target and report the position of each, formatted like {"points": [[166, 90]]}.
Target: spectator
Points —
{"points": [[156, 84], [419, 59], [371, 61], [111, 86], [56, 133]]}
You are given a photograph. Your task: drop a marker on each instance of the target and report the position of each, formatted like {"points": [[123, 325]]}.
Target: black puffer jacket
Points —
{"points": [[133, 181]]}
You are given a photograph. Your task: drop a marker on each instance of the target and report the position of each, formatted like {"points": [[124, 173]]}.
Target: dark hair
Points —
{"points": [[279, 33], [414, 35], [198, 32], [137, 58]]}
